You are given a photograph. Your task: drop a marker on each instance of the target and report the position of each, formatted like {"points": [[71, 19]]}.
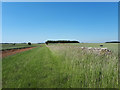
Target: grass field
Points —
{"points": [[61, 66], [11, 46]]}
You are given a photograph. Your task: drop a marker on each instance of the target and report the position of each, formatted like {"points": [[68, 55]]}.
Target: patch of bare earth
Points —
{"points": [[13, 51]]}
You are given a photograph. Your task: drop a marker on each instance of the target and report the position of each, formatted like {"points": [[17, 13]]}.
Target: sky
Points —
{"points": [[89, 22]]}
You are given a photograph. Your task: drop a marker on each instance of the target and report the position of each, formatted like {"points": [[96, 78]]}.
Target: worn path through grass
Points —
{"points": [[33, 68]]}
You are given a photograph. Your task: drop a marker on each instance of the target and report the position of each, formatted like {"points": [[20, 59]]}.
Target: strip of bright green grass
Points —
{"points": [[33, 68]]}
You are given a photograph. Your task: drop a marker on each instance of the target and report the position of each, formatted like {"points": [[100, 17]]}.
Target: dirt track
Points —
{"points": [[13, 51]]}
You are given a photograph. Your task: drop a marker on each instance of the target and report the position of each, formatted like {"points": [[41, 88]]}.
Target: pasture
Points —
{"points": [[61, 66]]}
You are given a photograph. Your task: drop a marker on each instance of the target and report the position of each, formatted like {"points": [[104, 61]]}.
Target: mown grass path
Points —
{"points": [[33, 68]]}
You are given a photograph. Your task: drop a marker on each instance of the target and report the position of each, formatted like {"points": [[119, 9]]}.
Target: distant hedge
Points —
{"points": [[61, 41], [113, 42]]}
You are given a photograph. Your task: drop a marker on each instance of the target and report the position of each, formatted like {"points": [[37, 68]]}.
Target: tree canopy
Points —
{"points": [[61, 41]]}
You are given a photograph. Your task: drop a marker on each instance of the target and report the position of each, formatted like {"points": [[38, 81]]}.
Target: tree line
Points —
{"points": [[61, 41], [113, 42]]}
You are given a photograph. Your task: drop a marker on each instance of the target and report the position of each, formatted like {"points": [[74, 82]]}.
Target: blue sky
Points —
{"points": [[38, 21]]}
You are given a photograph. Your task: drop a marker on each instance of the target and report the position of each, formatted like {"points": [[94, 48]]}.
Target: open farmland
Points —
{"points": [[61, 66], [12, 46]]}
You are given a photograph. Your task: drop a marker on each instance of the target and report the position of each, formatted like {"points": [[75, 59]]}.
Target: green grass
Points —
{"points": [[33, 68], [61, 66]]}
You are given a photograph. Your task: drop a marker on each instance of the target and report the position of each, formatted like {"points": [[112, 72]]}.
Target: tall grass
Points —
{"points": [[88, 70]]}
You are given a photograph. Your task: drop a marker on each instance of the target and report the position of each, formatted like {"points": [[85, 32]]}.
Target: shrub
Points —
{"points": [[29, 43], [13, 43]]}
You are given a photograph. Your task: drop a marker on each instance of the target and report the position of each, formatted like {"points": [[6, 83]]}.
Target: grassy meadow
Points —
{"points": [[61, 66]]}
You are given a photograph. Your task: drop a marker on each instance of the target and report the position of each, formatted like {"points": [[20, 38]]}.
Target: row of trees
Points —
{"points": [[113, 42], [61, 41], [29, 43]]}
